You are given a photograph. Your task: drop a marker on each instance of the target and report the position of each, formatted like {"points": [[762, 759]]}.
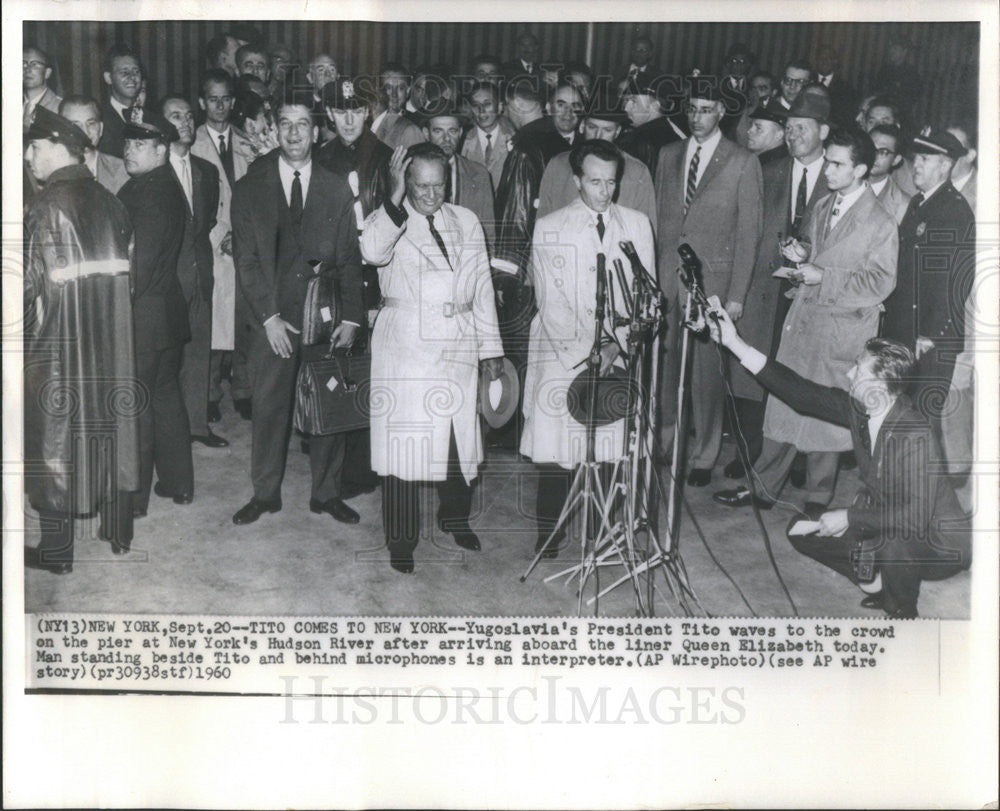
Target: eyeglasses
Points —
{"points": [[884, 153], [793, 82], [34, 64]]}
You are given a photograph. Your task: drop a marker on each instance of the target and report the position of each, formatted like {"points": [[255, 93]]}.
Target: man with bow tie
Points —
{"points": [[842, 280]]}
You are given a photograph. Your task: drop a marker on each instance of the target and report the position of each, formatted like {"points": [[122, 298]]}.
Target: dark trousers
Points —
{"points": [[196, 363], [57, 528], [751, 425], [164, 432], [401, 504], [902, 565], [775, 462], [358, 459], [273, 380], [553, 484], [931, 384]]}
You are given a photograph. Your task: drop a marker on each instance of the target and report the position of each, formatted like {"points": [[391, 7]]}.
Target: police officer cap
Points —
{"points": [[343, 93], [768, 112], [153, 126], [704, 86], [51, 126], [938, 142]]}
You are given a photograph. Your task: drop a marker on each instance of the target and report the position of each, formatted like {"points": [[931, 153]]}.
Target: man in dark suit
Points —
{"points": [[156, 203], [469, 184], [358, 156], [290, 212], [642, 66], [843, 96], [199, 180], [526, 63], [654, 108], [937, 239], [85, 112], [708, 195], [123, 75], [791, 188], [904, 524]]}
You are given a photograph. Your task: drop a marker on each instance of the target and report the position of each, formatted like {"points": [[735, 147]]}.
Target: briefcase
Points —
{"points": [[333, 390], [321, 312]]}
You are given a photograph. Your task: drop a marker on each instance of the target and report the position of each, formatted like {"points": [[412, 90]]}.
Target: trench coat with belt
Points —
{"points": [[829, 323], [438, 322]]}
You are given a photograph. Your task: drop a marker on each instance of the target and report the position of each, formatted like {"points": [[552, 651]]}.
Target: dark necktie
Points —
{"points": [[488, 155], [600, 227], [226, 156], [800, 202], [437, 238], [295, 206], [692, 181]]}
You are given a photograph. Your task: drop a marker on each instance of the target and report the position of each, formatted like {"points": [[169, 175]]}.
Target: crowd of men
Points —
{"points": [[460, 217]]}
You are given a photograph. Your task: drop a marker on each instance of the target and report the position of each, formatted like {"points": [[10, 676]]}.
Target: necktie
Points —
{"points": [[488, 154], [295, 206], [29, 114], [834, 214], [800, 202], [452, 196], [918, 199], [692, 181], [186, 181], [226, 156], [437, 238], [600, 227]]}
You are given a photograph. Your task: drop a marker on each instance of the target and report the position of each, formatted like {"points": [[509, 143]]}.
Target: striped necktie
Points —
{"points": [[692, 180]]}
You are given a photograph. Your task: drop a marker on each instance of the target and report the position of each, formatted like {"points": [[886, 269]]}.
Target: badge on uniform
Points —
{"points": [[921, 228]]}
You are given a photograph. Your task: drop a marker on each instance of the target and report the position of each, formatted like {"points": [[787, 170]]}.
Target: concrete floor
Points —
{"points": [[192, 559]]}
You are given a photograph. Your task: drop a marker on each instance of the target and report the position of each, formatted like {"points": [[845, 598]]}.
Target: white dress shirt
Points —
{"points": [[707, 151], [877, 187], [182, 168], [843, 203], [287, 175]]}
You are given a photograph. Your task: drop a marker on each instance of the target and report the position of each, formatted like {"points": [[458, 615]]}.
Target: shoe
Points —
{"points": [[244, 407], [33, 560], [902, 613], [336, 508], [876, 600], [462, 533], [119, 548], [741, 497], [551, 551], [699, 477], [210, 440], [254, 509], [214, 412], [814, 510], [735, 469], [401, 560], [797, 478], [354, 489], [179, 498]]}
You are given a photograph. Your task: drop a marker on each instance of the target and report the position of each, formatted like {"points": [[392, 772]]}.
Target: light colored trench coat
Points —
{"points": [[563, 271], [828, 323], [425, 363]]}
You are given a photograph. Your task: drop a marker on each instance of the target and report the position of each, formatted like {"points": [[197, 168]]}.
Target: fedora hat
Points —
{"points": [[613, 397], [510, 390], [807, 105]]}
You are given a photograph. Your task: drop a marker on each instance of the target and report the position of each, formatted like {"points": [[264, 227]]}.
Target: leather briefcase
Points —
{"points": [[333, 390], [321, 312]]}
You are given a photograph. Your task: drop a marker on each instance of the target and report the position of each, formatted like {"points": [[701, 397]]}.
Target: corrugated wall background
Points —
{"points": [[947, 54]]}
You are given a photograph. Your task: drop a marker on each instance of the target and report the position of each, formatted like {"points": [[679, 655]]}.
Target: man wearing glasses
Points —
{"points": [[887, 138], [36, 72], [797, 75]]}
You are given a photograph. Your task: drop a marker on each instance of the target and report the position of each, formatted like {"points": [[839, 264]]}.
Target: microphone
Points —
{"points": [[691, 277]]}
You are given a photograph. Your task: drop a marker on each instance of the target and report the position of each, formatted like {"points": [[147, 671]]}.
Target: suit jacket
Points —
{"points": [[761, 306], [111, 172], [541, 134], [475, 192], [398, 130], [895, 200], [472, 149], [273, 255], [843, 101], [937, 243], [829, 323], [158, 210], [49, 100], [113, 137], [558, 190], [900, 500], [722, 225], [645, 141], [968, 191], [513, 67], [195, 261]]}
